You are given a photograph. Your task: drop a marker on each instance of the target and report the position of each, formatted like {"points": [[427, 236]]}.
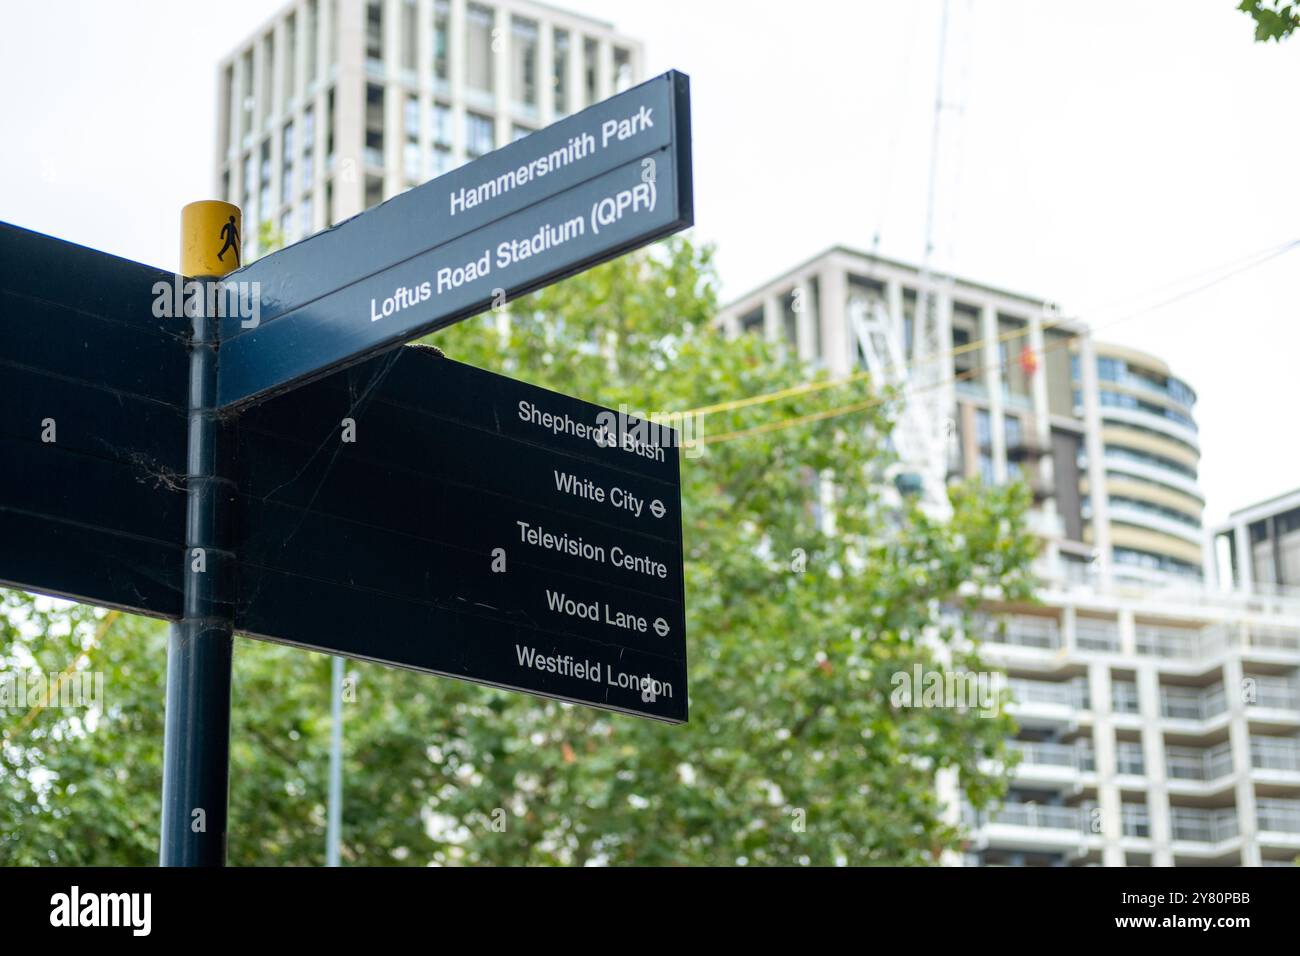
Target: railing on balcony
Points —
{"points": [[1190, 703], [1072, 694], [1028, 631], [1091, 634], [1129, 758], [1273, 692], [1135, 821], [1051, 754], [1037, 816], [1202, 826], [1124, 697], [1277, 816], [1275, 753], [1194, 763], [1273, 638], [1160, 641]]}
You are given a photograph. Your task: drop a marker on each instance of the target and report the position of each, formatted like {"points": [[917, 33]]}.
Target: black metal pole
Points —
{"points": [[196, 743]]}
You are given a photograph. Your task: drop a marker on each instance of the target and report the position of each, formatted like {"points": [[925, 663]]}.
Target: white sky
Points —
{"points": [[1101, 151]]}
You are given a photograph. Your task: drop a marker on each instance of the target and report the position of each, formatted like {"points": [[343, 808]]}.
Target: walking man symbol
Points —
{"points": [[230, 236]]}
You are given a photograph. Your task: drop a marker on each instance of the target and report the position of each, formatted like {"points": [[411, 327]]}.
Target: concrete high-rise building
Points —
{"points": [[1104, 436], [333, 106], [1259, 546], [1158, 710]]}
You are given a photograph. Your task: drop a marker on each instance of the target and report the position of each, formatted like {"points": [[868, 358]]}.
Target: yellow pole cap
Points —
{"points": [[211, 241]]}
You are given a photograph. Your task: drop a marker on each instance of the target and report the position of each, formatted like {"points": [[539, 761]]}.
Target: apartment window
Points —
{"points": [[478, 48], [1124, 698], [374, 190], [308, 147], [1014, 434], [560, 71], [286, 163], [374, 150], [590, 71], [622, 69], [246, 92], [440, 125], [410, 36], [523, 65], [268, 73], [441, 160], [790, 322], [286, 228], [480, 135], [264, 185], [225, 187], [518, 132], [289, 61], [411, 146], [752, 322], [441, 25], [375, 39], [329, 131], [310, 19], [307, 216], [411, 162], [249, 181], [983, 428], [227, 93], [411, 116]]}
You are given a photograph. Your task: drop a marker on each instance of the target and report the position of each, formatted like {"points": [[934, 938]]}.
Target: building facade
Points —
{"points": [[1103, 436], [1258, 548], [1157, 694], [333, 106]]}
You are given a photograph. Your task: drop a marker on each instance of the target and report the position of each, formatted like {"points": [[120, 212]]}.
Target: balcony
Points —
{"points": [[1167, 642], [1034, 753], [1135, 821], [1028, 631], [1274, 693], [1067, 694], [1275, 753], [1190, 703], [1195, 825], [1278, 816], [1129, 759], [1192, 763], [1091, 634]]}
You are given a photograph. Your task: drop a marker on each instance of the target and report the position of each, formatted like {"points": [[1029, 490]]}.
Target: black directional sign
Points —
{"points": [[92, 426], [579, 192], [424, 513]]}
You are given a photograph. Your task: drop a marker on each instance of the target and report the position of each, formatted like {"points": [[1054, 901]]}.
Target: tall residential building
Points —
{"points": [[1158, 710], [333, 106], [1104, 436], [1260, 546]]}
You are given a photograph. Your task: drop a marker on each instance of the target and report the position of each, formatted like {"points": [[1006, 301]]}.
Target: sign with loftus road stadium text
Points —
{"points": [[579, 192]]}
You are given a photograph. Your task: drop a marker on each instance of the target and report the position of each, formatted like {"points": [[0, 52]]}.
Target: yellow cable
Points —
{"points": [[53, 692]]}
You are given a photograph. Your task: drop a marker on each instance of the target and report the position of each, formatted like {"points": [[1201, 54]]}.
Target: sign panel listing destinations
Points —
{"points": [[522, 538], [586, 189]]}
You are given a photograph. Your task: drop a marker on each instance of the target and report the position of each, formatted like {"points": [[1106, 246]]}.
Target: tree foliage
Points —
{"points": [[1274, 19], [793, 753]]}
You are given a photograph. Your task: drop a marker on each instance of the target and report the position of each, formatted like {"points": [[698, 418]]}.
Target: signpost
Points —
{"points": [[292, 473], [476, 526], [586, 189]]}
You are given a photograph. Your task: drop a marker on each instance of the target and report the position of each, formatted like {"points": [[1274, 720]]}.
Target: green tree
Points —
{"points": [[793, 754], [1274, 19]]}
